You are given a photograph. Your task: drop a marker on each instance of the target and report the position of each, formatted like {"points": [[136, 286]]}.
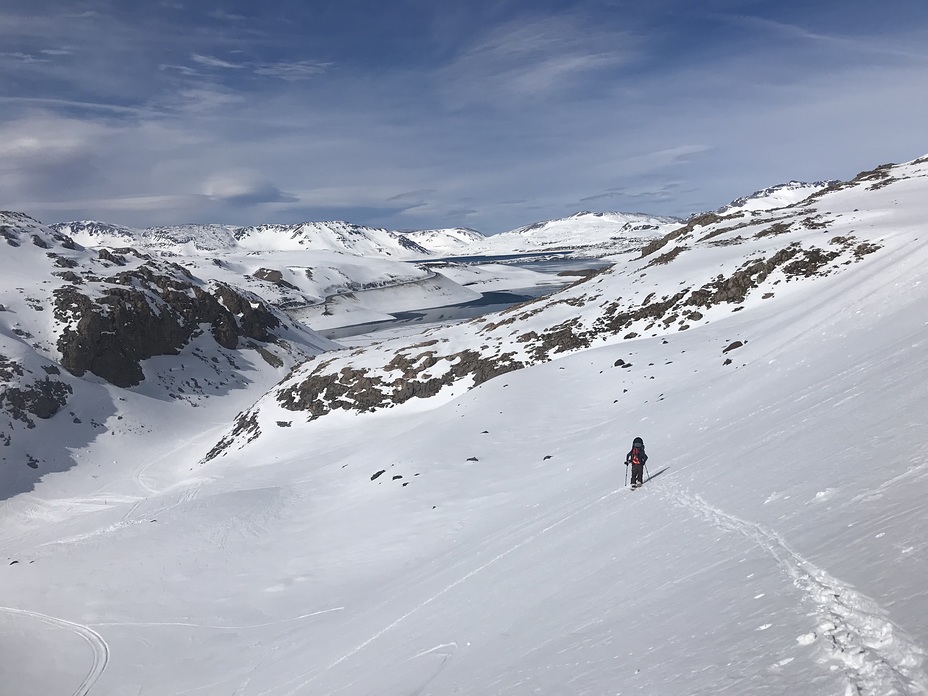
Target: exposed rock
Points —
{"points": [[246, 429], [9, 368], [275, 277], [155, 313], [42, 399]]}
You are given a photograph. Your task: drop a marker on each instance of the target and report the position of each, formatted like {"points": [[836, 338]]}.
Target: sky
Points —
{"points": [[412, 114]]}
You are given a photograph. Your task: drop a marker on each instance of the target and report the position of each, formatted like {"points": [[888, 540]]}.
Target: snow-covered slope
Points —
{"points": [[481, 541], [779, 196], [329, 236], [699, 272], [446, 242], [596, 233]]}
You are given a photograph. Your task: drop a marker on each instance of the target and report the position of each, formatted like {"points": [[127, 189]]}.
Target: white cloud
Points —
{"points": [[211, 62], [292, 70], [204, 100], [866, 46], [24, 58], [226, 16], [533, 59]]}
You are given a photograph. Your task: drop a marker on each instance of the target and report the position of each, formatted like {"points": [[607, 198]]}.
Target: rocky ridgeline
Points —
{"points": [[758, 254], [334, 235]]}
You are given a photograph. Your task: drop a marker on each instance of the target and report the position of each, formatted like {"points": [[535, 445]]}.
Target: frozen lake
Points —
{"points": [[495, 301]]}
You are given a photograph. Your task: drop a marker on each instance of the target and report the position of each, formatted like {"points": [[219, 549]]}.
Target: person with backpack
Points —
{"points": [[637, 458]]}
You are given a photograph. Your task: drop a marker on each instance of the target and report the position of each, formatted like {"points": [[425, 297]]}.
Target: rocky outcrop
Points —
{"points": [[407, 377], [144, 313], [42, 399], [23, 396]]}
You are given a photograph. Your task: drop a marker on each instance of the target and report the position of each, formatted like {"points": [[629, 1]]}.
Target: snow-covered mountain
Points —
{"points": [[779, 196], [699, 272], [446, 242], [594, 233], [81, 329], [446, 513], [336, 236]]}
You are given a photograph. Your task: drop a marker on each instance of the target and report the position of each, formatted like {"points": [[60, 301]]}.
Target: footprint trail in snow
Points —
{"points": [[876, 656]]}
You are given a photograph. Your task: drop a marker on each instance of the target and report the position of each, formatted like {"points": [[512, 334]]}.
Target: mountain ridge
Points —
{"points": [[782, 245], [599, 232]]}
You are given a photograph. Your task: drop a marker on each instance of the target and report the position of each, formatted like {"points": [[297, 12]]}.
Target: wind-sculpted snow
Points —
{"points": [[701, 272]]}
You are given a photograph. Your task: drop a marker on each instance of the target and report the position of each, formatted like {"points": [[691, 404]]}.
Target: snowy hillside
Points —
{"points": [[599, 233], [778, 196], [698, 273], [82, 329], [446, 513], [446, 242]]}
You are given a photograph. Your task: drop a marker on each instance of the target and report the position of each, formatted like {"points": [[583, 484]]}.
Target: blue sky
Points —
{"points": [[489, 114]]}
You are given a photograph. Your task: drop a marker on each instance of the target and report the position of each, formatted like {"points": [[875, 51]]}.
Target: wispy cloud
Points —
{"points": [[203, 100], [411, 195], [244, 188], [211, 62], [865, 45], [292, 70], [648, 195], [156, 114], [23, 58], [534, 59], [226, 16], [284, 70]]}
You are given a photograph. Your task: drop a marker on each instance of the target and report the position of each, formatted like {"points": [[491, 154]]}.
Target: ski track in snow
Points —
{"points": [[913, 472], [216, 627], [877, 657], [101, 651], [351, 653]]}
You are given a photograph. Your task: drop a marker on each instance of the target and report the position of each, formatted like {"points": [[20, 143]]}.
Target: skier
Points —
{"points": [[637, 458]]}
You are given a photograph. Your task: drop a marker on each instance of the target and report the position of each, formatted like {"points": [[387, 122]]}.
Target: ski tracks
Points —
{"points": [[876, 656], [101, 651]]}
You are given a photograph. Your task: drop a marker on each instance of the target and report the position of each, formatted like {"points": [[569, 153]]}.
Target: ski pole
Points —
{"points": [[626, 473], [647, 472]]}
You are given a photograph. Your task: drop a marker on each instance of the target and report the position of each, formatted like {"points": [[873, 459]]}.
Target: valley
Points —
{"points": [[250, 506]]}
